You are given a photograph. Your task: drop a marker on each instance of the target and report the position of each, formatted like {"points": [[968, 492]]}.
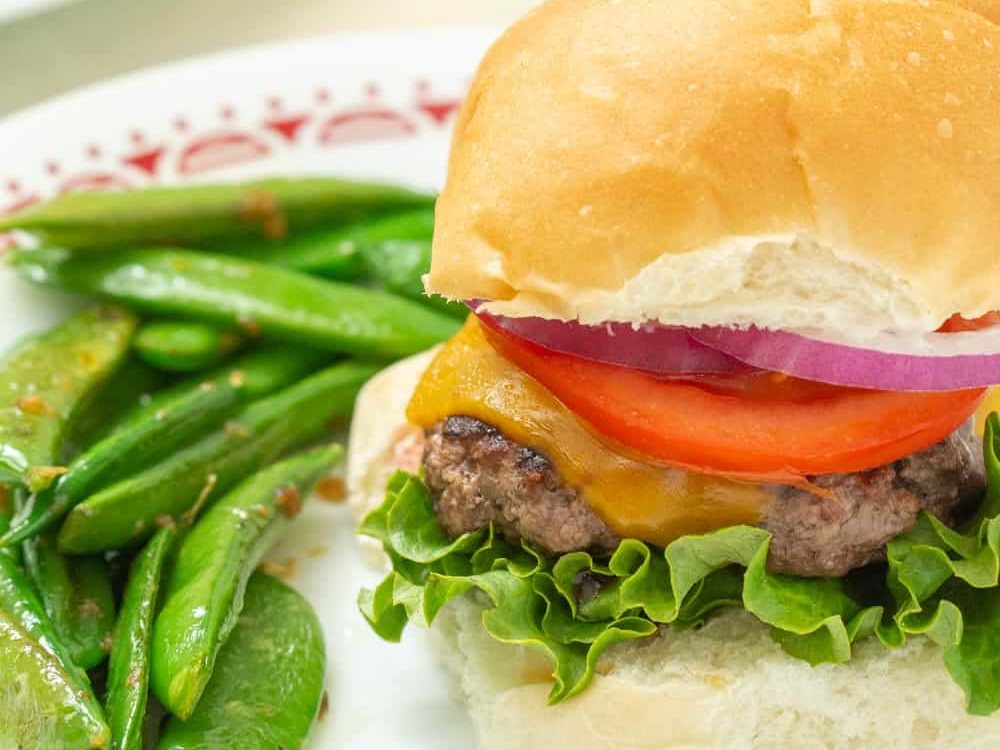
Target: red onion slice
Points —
{"points": [[932, 362], [890, 362], [660, 350]]}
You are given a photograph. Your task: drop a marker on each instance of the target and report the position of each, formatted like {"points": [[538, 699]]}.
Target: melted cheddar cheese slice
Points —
{"points": [[640, 500]]}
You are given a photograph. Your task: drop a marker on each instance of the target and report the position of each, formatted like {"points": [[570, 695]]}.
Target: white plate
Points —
{"points": [[374, 106], [11, 9]]}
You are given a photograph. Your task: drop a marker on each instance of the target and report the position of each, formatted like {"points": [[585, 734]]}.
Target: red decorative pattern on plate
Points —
{"points": [[219, 150], [197, 148], [93, 181]]}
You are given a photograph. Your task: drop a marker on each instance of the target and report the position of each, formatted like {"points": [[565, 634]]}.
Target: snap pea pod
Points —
{"points": [[43, 667], [195, 213], [184, 346], [123, 391], [338, 252], [267, 687], [261, 373], [77, 598], [282, 304], [393, 252], [7, 511], [399, 266], [204, 593], [21, 602], [128, 675], [128, 511], [321, 252], [41, 705], [173, 426], [12, 502], [44, 383], [396, 254], [170, 421]]}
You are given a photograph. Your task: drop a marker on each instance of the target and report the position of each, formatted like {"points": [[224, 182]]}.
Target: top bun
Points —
{"points": [[830, 165]]}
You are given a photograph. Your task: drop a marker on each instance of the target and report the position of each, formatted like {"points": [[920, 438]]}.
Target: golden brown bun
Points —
{"points": [[726, 687], [830, 165]]}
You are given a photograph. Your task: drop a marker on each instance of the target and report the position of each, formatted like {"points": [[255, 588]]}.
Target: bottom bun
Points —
{"points": [[727, 686]]}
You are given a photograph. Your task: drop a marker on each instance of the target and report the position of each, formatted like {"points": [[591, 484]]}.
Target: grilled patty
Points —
{"points": [[477, 476]]}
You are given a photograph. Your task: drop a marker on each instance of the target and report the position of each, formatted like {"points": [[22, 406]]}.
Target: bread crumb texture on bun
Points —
{"points": [[728, 686], [829, 165]]}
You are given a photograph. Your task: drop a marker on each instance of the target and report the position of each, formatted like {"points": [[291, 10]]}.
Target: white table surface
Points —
{"points": [[89, 40]]}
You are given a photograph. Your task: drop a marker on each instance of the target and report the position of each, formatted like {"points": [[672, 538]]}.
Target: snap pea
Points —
{"points": [[392, 252], [128, 511], [184, 346], [204, 593], [192, 214], [174, 425], [43, 666], [12, 501], [261, 373], [399, 266], [396, 254], [267, 687], [45, 381], [170, 421], [77, 598], [321, 252], [128, 675], [21, 602], [6, 504], [6, 514], [338, 252], [41, 705], [125, 390], [280, 303]]}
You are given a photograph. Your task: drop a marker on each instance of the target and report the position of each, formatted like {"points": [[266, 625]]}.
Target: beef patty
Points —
{"points": [[477, 476]]}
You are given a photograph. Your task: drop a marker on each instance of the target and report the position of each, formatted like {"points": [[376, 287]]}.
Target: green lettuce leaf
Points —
{"points": [[937, 583]]}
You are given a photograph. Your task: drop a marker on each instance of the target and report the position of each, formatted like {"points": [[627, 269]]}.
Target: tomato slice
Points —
{"points": [[761, 426], [956, 323]]}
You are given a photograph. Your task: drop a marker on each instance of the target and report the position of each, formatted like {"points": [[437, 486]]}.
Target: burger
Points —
{"points": [[702, 469]]}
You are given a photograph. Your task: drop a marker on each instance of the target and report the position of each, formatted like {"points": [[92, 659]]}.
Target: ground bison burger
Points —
{"points": [[701, 466]]}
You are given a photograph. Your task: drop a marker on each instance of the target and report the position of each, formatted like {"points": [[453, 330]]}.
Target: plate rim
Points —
{"points": [[24, 9], [184, 65], [49, 163]]}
